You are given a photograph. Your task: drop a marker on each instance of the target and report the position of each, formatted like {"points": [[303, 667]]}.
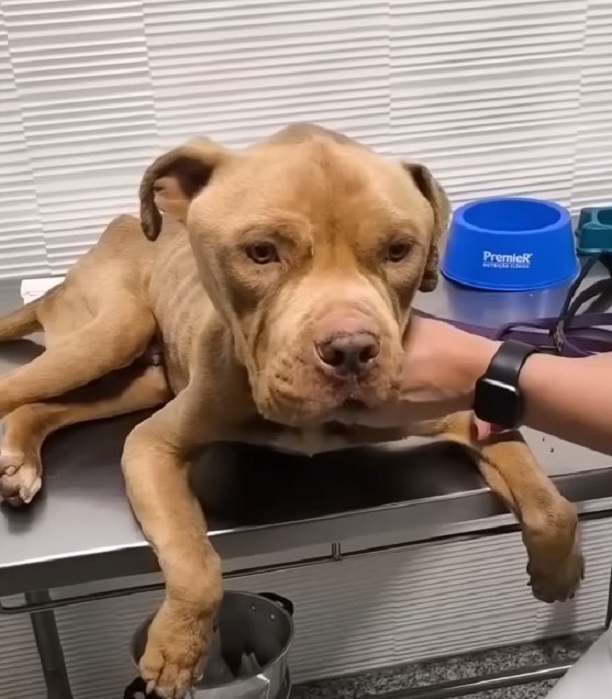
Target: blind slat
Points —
{"points": [[498, 98]]}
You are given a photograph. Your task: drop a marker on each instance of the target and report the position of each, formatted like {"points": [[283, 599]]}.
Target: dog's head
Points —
{"points": [[312, 247]]}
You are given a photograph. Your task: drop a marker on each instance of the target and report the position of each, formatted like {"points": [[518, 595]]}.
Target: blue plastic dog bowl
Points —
{"points": [[510, 244]]}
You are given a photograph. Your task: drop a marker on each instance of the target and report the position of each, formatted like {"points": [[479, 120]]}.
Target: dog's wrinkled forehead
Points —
{"points": [[330, 190], [307, 183]]}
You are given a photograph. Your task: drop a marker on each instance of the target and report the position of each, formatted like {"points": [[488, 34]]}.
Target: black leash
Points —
{"points": [[571, 333]]}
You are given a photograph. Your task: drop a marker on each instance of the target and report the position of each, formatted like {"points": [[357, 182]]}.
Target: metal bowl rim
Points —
{"points": [[283, 653]]}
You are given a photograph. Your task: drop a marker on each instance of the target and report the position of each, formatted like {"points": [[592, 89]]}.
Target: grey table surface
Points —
{"points": [[81, 528]]}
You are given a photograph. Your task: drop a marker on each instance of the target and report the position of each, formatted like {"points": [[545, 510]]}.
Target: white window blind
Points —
{"points": [[496, 96]]}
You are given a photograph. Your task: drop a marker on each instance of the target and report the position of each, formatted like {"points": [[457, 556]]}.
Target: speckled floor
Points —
{"points": [[444, 670]]}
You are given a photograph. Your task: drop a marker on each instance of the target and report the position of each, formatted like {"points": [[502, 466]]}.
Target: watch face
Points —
{"points": [[497, 403]]}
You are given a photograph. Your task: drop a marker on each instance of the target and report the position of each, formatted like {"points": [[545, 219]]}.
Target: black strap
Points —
{"points": [[574, 302], [572, 333], [506, 364]]}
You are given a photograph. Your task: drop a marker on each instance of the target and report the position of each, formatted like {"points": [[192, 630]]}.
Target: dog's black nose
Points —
{"points": [[349, 354]]}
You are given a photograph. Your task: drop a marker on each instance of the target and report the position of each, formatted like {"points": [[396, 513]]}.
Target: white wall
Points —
{"points": [[497, 96]]}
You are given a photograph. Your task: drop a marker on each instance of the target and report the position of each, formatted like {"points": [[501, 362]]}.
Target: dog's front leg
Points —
{"points": [[549, 523], [155, 465]]}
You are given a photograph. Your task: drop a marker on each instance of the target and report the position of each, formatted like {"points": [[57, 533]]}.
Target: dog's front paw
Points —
{"points": [[174, 655], [20, 478], [557, 581]]}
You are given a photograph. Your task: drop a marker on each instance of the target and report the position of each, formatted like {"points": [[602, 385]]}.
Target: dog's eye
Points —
{"points": [[397, 251], [262, 253]]}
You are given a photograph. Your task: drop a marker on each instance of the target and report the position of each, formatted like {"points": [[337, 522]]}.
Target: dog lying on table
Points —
{"points": [[279, 282]]}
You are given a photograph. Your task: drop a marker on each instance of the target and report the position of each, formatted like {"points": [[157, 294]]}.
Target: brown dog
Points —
{"points": [[280, 284]]}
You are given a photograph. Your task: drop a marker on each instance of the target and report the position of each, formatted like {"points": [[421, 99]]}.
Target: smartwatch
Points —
{"points": [[497, 396]]}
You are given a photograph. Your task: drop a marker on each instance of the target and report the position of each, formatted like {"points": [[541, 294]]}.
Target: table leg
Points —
{"points": [[609, 610], [49, 648]]}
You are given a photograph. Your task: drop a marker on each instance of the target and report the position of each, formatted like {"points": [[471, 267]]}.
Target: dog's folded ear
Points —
{"points": [[431, 189], [174, 179]]}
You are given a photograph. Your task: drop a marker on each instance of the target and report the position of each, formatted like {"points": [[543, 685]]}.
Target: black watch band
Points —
{"points": [[497, 396]]}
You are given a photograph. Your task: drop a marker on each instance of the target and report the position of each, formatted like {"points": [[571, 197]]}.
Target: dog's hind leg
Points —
{"points": [[112, 339], [137, 387], [21, 322]]}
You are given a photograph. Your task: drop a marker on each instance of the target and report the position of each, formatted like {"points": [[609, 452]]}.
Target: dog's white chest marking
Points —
{"points": [[310, 441]]}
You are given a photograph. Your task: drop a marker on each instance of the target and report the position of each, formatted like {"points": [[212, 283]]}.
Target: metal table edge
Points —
{"points": [[462, 512]]}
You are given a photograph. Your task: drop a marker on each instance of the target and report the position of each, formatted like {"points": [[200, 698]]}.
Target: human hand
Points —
{"points": [[441, 367]]}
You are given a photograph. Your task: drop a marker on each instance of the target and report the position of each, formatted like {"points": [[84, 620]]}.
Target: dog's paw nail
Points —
{"points": [[21, 487], [10, 471], [27, 493]]}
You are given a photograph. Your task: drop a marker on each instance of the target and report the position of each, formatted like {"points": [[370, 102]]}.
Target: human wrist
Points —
{"points": [[472, 357]]}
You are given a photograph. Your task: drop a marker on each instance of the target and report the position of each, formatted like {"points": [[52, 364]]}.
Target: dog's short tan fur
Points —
{"points": [[262, 259]]}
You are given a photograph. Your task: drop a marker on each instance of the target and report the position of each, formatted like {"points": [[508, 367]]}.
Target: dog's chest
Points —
{"points": [[306, 441], [309, 441]]}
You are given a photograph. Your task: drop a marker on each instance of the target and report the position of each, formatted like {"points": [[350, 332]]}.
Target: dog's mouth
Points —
{"points": [[309, 399], [303, 413], [350, 411]]}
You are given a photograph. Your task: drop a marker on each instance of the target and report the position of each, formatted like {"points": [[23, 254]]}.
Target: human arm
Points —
{"points": [[570, 398], [566, 397]]}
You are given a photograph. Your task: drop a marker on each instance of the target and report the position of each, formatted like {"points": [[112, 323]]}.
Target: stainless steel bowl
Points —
{"points": [[255, 626]]}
